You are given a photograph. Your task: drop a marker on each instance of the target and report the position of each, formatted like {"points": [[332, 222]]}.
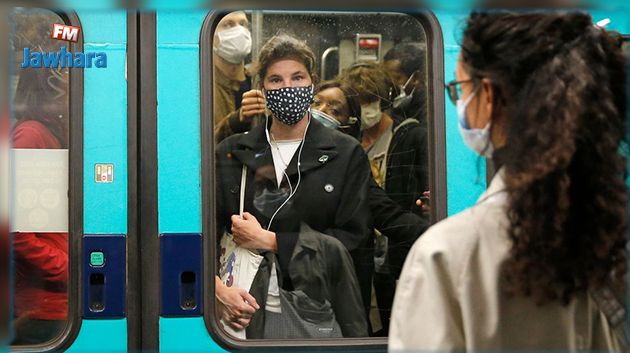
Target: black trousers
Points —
{"points": [[384, 288]]}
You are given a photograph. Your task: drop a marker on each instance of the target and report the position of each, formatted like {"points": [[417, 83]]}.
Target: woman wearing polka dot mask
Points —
{"points": [[305, 195]]}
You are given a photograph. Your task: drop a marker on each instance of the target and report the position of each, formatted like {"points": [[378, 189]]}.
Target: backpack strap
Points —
{"points": [[403, 123], [615, 313], [241, 202]]}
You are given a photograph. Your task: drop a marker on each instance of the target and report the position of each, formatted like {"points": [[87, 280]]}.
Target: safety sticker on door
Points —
{"points": [[104, 173]]}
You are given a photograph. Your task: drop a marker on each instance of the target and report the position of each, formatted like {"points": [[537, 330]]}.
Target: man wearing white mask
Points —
{"points": [[397, 149], [231, 45]]}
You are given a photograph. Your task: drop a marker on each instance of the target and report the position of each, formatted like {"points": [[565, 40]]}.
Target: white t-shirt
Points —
{"points": [[282, 153], [273, 294]]}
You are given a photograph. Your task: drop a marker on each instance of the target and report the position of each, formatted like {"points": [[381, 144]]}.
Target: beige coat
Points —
{"points": [[448, 293]]}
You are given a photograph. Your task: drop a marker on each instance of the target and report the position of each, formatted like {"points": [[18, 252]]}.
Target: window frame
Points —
{"points": [[75, 201], [437, 176]]}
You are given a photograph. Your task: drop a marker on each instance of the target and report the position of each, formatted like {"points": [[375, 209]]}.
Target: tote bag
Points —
{"points": [[237, 265]]}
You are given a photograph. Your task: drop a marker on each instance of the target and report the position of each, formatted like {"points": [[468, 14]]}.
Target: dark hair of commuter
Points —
{"points": [[411, 57], [559, 96], [283, 46], [41, 95]]}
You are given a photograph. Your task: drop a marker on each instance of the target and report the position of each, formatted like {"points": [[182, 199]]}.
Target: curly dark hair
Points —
{"points": [[559, 84]]}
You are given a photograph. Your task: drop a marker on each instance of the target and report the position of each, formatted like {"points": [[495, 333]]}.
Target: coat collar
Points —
{"points": [[497, 188], [254, 151]]}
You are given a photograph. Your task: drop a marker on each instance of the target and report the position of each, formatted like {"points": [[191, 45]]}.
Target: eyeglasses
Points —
{"points": [[454, 89]]}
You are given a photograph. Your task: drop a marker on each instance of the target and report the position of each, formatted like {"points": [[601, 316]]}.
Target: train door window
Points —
{"points": [[321, 137], [40, 146]]}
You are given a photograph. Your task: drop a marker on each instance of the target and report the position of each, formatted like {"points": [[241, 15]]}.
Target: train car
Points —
{"points": [[114, 195]]}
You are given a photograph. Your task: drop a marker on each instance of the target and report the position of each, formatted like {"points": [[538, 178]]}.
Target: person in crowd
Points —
{"points": [[336, 106], [232, 44], [405, 63], [40, 108], [305, 197], [397, 149], [396, 146], [543, 94], [41, 259]]}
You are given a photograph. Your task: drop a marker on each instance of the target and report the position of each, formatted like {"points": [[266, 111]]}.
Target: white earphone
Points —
{"points": [[292, 191]]}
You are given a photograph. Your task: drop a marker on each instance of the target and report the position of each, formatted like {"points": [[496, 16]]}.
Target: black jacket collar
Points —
{"points": [[253, 149]]}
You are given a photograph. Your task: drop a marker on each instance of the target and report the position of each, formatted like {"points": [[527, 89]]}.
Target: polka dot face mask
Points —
{"points": [[289, 104]]}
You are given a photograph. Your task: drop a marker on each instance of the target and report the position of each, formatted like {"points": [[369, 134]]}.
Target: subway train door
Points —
{"points": [[73, 181], [177, 160], [178, 303], [179, 141]]}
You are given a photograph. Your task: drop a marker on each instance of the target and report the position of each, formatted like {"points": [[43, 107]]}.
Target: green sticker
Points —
{"points": [[97, 258]]}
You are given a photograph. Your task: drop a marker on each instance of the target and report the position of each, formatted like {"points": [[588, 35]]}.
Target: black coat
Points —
{"points": [[331, 198], [406, 179], [322, 269], [407, 165], [402, 227]]}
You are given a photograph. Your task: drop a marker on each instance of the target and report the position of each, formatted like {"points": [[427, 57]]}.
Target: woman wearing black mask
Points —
{"points": [[300, 180], [544, 95]]}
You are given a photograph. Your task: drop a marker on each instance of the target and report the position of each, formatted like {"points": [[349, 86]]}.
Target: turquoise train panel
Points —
{"points": [[179, 151], [105, 122], [186, 335], [101, 336], [105, 141], [465, 171], [179, 154]]}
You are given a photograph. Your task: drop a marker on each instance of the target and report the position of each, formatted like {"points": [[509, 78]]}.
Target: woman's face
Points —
{"points": [[286, 73], [479, 108], [333, 102]]}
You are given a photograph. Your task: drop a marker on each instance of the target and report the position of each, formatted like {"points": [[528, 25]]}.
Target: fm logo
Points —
{"points": [[64, 32]]}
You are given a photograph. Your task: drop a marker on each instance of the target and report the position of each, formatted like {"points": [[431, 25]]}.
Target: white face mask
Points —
{"points": [[234, 44], [403, 98], [370, 114], [477, 140]]}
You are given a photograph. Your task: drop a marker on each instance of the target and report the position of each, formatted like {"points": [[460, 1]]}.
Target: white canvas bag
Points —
{"points": [[237, 266]]}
